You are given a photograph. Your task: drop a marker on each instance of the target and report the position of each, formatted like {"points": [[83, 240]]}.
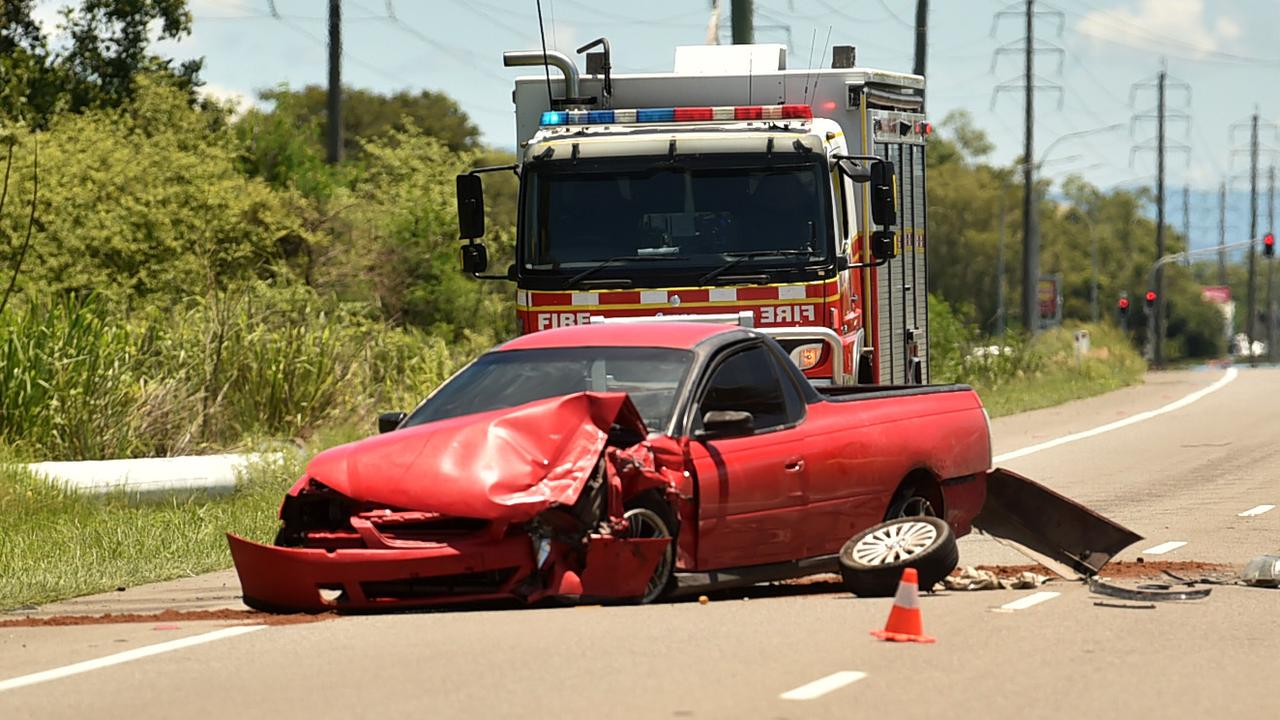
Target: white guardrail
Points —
{"points": [[215, 474]]}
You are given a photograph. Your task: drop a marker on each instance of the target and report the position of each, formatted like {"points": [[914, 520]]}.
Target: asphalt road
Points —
{"points": [[1182, 476]]}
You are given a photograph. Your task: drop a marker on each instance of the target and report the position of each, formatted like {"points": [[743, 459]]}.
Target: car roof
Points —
{"points": [[674, 334]]}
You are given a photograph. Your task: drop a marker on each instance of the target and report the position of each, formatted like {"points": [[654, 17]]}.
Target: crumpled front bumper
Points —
{"points": [[360, 580]]}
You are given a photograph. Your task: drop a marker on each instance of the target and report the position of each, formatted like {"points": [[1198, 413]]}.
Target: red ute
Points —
{"points": [[616, 462]]}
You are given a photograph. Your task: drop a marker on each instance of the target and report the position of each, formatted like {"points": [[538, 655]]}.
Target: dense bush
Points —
{"points": [[85, 380]]}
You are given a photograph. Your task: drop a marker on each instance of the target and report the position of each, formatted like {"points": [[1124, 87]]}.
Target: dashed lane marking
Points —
{"points": [[1031, 600], [1123, 422], [126, 656], [1257, 510], [822, 686], [1163, 548]]}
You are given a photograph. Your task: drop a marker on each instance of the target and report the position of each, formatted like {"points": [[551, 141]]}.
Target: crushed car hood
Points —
{"points": [[508, 464]]}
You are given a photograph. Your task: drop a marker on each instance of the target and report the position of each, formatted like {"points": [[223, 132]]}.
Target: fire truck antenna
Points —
{"points": [[546, 66]]}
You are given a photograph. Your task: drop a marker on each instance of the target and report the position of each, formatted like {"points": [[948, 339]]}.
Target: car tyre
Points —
{"points": [[651, 516], [872, 561]]}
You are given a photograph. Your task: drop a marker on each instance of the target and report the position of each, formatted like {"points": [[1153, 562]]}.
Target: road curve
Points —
{"points": [[1181, 477]]}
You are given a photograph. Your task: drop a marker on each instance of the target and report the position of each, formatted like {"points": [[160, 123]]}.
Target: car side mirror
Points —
{"points": [[726, 423], [389, 421], [475, 258], [470, 207], [884, 202]]}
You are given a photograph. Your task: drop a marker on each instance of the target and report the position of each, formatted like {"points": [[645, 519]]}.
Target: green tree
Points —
{"points": [[367, 115], [143, 200], [107, 51]]}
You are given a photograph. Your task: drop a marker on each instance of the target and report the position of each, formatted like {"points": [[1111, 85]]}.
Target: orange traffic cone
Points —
{"points": [[905, 623]]}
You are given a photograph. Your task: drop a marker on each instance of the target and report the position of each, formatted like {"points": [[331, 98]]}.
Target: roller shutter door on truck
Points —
{"points": [[902, 283]]}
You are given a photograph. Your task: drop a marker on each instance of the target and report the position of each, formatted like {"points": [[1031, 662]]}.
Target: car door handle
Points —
{"points": [[794, 465]]}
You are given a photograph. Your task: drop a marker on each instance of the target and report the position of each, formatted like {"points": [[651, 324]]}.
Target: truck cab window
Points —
{"points": [[748, 381]]}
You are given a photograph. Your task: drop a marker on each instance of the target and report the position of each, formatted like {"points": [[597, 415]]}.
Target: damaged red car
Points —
{"points": [[616, 462]]}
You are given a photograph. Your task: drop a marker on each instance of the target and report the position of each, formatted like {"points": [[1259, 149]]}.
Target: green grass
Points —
{"points": [[1050, 374], [57, 544]]}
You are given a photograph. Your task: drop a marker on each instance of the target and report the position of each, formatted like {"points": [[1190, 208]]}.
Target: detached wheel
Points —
{"points": [[647, 521], [872, 562]]}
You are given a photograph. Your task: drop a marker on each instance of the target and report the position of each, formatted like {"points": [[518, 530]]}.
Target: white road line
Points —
{"points": [[1258, 510], [822, 686], [126, 656], [1030, 600], [1163, 548], [1124, 422]]}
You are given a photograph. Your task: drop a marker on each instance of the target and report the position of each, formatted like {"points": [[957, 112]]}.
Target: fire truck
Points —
{"points": [[791, 198]]}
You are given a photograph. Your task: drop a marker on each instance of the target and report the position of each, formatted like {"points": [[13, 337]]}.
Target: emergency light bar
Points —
{"points": [[676, 114]]}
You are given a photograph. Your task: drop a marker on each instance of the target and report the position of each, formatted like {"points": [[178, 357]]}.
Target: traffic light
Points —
{"points": [[1123, 305], [1151, 299], [1269, 245]]}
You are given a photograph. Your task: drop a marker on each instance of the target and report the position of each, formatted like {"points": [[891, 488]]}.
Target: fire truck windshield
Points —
{"points": [[608, 218]]}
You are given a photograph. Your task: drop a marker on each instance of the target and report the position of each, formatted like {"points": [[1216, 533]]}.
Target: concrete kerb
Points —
{"points": [[212, 474]]}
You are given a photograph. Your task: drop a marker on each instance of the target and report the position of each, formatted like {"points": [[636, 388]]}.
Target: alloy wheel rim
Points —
{"points": [[894, 543]]}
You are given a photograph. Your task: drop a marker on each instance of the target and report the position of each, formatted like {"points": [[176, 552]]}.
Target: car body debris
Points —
{"points": [[1262, 571], [1125, 606], [1137, 595]]}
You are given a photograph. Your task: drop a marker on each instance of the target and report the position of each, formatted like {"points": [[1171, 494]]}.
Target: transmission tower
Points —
{"points": [[1028, 46], [1255, 150], [1161, 145]]}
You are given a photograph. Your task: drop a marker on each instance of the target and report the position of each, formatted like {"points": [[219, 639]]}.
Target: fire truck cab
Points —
{"points": [[794, 198]]}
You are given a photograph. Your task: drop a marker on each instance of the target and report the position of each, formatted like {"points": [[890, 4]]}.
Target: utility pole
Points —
{"points": [[1251, 326], [1027, 46], [1030, 224], [1222, 234], [742, 17], [922, 35], [1271, 264], [1158, 351], [333, 138], [1157, 321], [1255, 124]]}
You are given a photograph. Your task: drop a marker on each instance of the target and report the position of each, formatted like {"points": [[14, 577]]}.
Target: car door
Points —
{"points": [[751, 487]]}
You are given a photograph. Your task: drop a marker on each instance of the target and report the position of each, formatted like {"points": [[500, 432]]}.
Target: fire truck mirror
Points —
{"points": [[475, 259], [882, 245], [470, 207], [858, 172], [884, 206]]}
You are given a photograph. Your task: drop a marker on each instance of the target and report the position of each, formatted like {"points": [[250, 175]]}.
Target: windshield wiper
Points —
{"points": [[740, 257], [617, 259]]}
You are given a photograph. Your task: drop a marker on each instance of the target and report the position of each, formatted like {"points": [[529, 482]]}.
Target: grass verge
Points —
{"points": [[57, 544], [1052, 374]]}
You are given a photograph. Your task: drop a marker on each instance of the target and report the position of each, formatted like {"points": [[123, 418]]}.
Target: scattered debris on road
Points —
{"points": [[1262, 571], [167, 616], [1124, 606], [1138, 595], [972, 578]]}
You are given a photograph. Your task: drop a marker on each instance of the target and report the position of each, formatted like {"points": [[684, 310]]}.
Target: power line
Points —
{"points": [[1134, 28], [894, 15]]}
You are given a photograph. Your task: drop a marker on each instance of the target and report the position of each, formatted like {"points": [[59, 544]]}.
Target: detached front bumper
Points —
{"points": [[360, 580]]}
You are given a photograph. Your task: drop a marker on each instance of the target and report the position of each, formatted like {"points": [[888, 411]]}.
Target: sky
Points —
{"points": [[1221, 56]]}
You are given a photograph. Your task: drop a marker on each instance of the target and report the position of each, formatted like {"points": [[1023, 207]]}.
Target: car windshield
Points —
{"points": [[699, 213], [651, 376]]}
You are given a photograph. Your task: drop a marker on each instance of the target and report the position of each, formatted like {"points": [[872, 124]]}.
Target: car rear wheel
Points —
{"points": [[644, 521], [872, 561]]}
